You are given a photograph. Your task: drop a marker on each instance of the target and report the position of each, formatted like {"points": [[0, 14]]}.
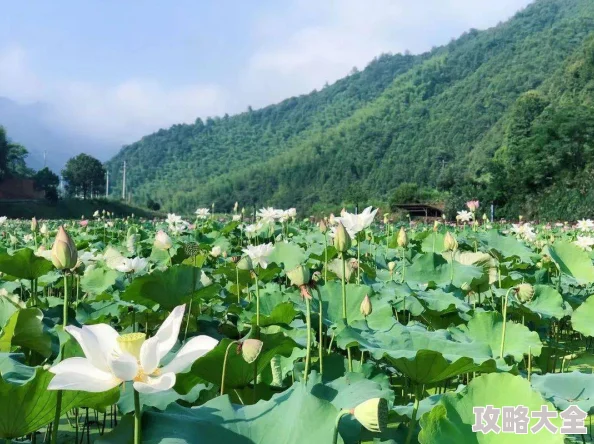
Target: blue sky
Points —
{"points": [[118, 70]]}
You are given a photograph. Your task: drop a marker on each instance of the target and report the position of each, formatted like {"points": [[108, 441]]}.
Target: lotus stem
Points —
{"points": [[336, 423], [225, 367], [452, 267], [308, 351], [358, 262], [238, 288], [504, 313], [344, 307], [321, 332], [413, 419], [137, 419], [403, 265], [325, 257], [529, 362], [257, 300]]}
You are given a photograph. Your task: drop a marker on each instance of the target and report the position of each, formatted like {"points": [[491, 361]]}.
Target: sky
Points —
{"points": [[118, 70]]}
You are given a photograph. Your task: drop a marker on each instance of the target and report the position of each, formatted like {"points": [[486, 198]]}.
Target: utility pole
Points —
{"points": [[124, 183], [107, 185]]}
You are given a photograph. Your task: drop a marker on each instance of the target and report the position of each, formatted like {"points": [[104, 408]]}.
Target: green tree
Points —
{"points": [[12, 158], [84, 175]]}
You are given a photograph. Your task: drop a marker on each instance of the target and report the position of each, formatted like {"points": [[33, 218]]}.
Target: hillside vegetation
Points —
{"points": [[503, 115]]}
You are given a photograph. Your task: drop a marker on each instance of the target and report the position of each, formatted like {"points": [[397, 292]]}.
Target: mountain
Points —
{"points": [[446, 119], [30, 126]]}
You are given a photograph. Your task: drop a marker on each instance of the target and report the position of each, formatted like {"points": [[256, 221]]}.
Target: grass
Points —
{"points": [[69, 209]]}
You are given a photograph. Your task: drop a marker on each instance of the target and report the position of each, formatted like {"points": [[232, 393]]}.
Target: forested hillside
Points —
{"points": [[472, 118]]}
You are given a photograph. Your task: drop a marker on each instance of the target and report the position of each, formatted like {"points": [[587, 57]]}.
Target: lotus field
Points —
{"points": [[278, 329]]}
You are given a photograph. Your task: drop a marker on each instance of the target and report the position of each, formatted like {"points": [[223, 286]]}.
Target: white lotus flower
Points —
{"points": [[44, 230], [585, 242], [133, 265], [173, 219], [111, 359], [585, 225], [3, 219], [27, 238], [162, 241], [259, 253], [87, 257], [464, 216], [354, 223], [267, 214], [236, 217], [203, 213], [44, 253], [96, 214], [216, 251]]}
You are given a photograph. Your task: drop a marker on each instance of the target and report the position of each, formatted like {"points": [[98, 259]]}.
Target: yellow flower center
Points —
{"points": [[131, 343]]}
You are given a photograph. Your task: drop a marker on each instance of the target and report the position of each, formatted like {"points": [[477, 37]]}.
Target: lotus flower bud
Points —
{"points": [[450, 243], [366, 307], [34, 225], [521, 217], [342, 240], [485, 218], [64, 254], [44, 230], [391, 266], [435, 226], [386, 220], [372, 414], [525, 292], [299, 275], [235, 207], [323, 226], [162, 241], [250, 349], [245, 263], [332, 219], [402, 239]]}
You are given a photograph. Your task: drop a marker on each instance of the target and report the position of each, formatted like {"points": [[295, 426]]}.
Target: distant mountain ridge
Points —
{"points": [[436, 119]]}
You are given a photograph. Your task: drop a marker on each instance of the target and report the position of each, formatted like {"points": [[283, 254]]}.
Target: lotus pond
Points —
{"points": [[275, 329]]}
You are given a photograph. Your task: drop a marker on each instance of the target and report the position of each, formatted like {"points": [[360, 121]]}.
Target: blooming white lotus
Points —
{"points": [[585, 242], [111, 359], [133, 265], [585, 225], [236, 217], [354, 223], [162, 241], [268, 214], [464, 216], [203, 213], [216, 251], [259, 254]]}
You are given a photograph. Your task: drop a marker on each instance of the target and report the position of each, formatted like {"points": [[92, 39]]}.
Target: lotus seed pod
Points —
{"points": [[342, 240], [372, 414], [250, 349], [162, 241], [450, 243], [131, 343], [402, 239], [391, 266], [323, 226], [245, 263], [299, 275], [34, 225], [525, 292], [366, 308], [64, 254]]}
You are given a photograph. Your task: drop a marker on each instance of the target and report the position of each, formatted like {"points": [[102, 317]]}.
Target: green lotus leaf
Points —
{"points": [[23, 264], [430, 267], [98, 280], [573, 261], [450, 422], [422, 355], [288, 254], [505, 247], [32, 406], [238, 373], [566, 389], [169, 288], [25, 328], [486, 327], [546, 303], [581, 319]]}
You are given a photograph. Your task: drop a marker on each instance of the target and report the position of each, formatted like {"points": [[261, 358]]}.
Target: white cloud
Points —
{"points": [[120, 113], [17, 80], [351, 33]]}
